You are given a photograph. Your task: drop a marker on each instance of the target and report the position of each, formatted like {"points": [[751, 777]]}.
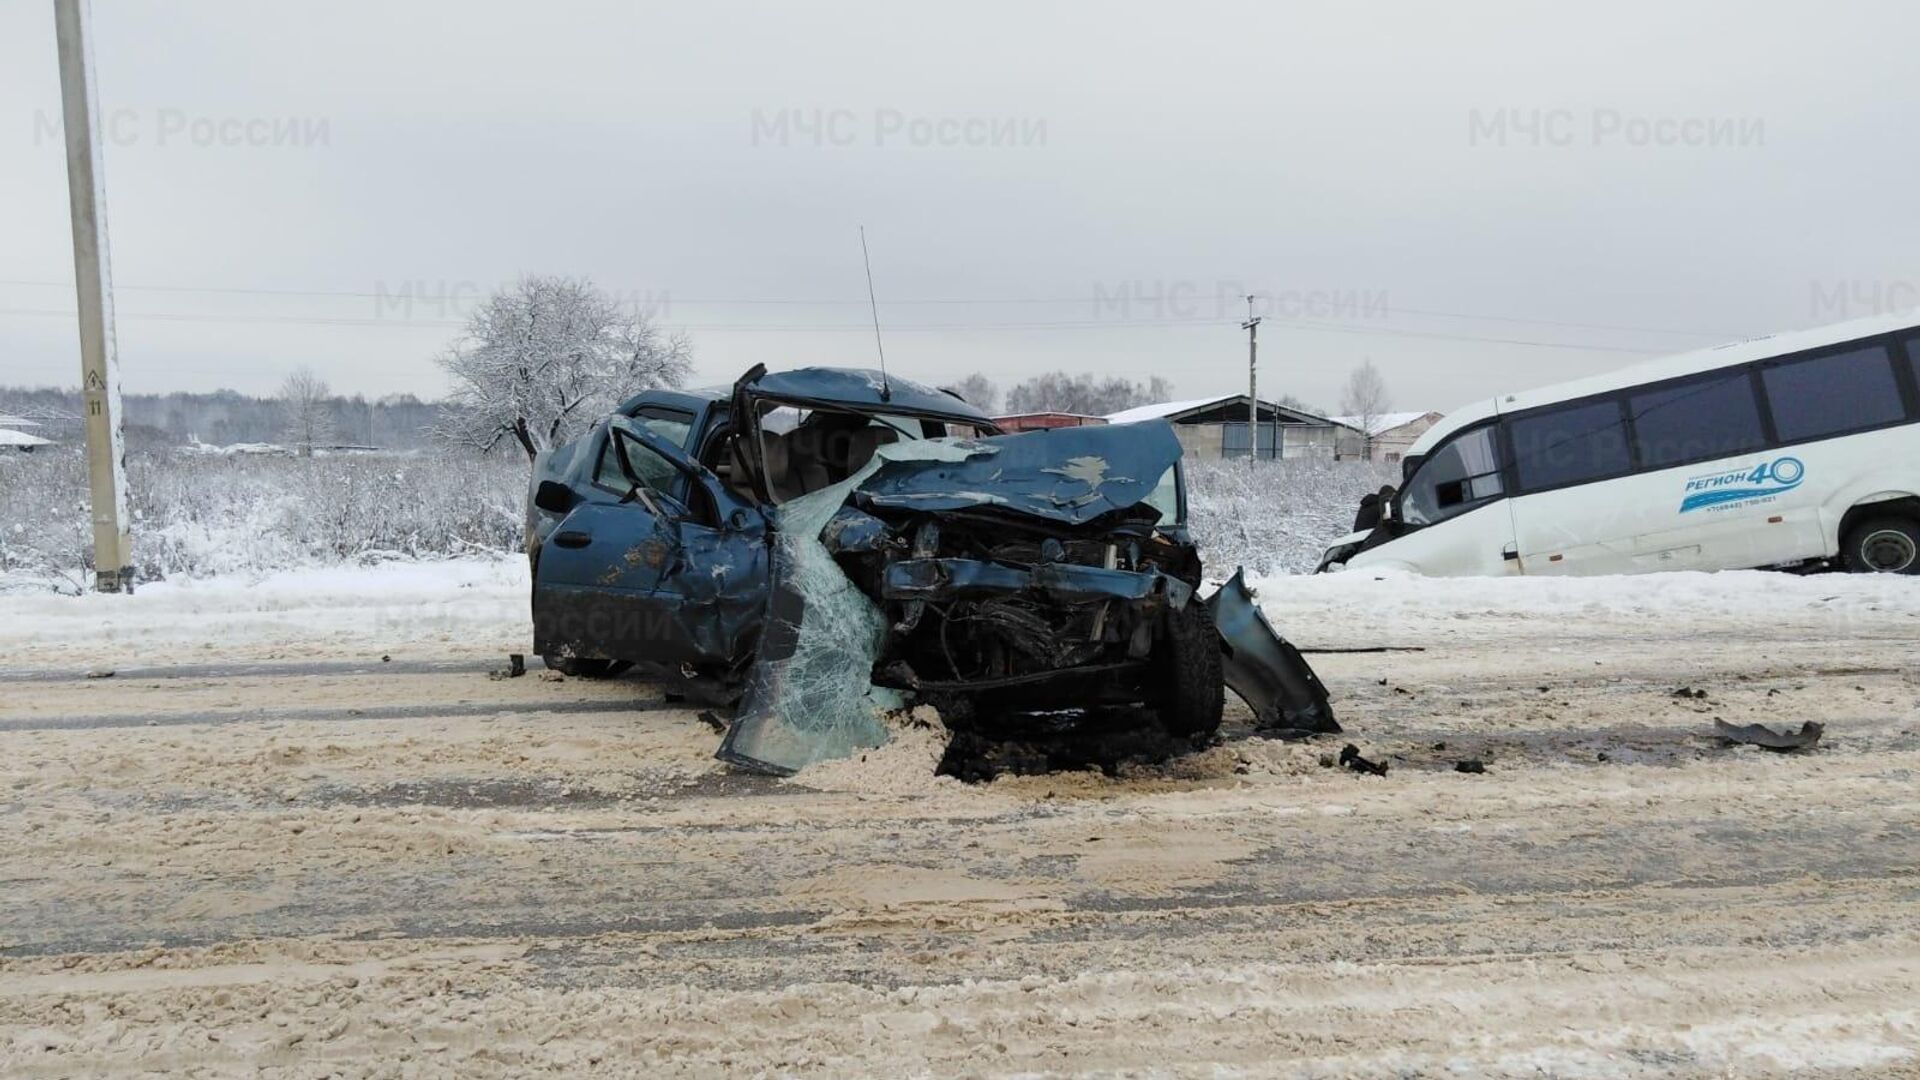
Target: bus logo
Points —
{"points": [[1743, 484]]}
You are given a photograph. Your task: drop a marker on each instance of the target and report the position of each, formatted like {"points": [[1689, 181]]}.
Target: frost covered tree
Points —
{"points": [[306, 408], [980, 392], [1057, 391], [1365, 401], [541, 360]]}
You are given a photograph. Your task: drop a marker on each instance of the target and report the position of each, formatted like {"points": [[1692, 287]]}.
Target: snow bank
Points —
{"points": [[1384, 607], [478, 602]]}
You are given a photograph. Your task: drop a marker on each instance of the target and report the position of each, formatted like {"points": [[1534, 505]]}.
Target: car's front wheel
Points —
{"points": [[1188, 687], [1883, 546]]}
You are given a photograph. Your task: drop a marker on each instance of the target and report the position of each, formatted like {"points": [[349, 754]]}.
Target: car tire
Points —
{"points": [[1888, 545], [585, 667], [1189, 691]]}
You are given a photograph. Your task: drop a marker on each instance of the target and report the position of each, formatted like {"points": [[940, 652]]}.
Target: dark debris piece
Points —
{"points": [[1350, 757], [1768, 739], [1690, 693], [1471, 765]]}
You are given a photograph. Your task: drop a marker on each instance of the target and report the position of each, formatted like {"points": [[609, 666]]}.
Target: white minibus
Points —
{"points": [[1799, 450]]}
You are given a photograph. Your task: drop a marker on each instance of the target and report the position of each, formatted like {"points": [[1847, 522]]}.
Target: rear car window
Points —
{"points": [[1832, 395], [1695, 421], [1569, 445]]}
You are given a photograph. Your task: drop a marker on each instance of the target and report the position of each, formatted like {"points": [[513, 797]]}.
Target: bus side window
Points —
{"points": [[1455, 478]]}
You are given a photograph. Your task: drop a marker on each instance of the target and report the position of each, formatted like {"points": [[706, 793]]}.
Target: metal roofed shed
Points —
{"points": [[1216, 427]]}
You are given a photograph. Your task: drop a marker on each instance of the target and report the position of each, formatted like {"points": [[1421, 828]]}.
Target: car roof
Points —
{"points": [[691, 400], [866, 389], [860, 387]]}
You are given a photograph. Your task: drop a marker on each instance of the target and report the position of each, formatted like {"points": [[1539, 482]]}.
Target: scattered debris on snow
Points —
{"points": [[1350, 757], [1768, 739]]}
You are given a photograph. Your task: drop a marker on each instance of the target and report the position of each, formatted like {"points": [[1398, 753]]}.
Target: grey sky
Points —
{"points": [[1712, 169]]}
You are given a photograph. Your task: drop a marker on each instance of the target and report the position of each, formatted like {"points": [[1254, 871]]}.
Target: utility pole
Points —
{"points": [[93, 282], [1252, 327]]}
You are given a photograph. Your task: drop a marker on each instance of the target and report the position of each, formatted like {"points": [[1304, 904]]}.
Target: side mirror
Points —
{"points": [[553, 497]]}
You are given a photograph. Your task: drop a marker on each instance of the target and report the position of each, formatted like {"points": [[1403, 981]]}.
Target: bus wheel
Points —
{"points": [[1883, 546]]}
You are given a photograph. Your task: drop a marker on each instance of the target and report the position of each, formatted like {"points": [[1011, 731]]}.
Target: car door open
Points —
{"points": [[651, 578]]}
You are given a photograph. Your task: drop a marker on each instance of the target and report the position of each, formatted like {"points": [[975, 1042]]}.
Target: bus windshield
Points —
{"points": [[1460, 475]]}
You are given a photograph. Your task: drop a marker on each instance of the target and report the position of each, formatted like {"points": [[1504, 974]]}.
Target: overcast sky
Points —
{"points": [[1480, 197]]}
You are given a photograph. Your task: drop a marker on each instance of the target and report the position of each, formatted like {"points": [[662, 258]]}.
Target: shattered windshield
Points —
{"points": [[1165, 496]]}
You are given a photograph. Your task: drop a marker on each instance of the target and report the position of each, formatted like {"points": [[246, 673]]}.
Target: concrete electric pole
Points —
{"points": [[93, 281], [1252, 327]]}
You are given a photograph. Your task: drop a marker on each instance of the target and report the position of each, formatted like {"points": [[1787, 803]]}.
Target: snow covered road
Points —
{"points": [[299, 830]]}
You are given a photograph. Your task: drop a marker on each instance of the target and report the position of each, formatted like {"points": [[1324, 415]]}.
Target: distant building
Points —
{"points": [[1216, 427], [1387, 437], [1040, 421]]}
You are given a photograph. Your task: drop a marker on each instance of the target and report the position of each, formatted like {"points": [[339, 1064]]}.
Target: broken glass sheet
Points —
{"points": [[810, 695]]}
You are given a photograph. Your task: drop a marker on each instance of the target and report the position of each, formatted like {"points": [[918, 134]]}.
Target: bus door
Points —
{"points": [[1455, 517]]}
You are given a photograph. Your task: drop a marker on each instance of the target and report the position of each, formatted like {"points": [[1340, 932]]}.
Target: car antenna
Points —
{"points": [[886, 389]]}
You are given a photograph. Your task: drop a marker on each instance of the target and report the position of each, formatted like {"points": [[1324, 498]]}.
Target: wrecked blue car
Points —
{"points": [[825, 546]]}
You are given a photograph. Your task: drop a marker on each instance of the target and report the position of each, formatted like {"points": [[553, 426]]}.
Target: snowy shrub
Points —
{"points": [[195, 515], [201, 514], [1275, 517]]}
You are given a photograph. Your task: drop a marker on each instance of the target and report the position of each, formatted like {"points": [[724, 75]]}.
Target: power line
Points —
{"points": [[407, 297], [864, 328]]}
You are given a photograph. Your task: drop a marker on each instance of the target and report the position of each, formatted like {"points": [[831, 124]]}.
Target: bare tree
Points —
{"points": [[307, 410], [980, 392], [1365, 401], [1288, 401], [1057, 391], [542, 360]]}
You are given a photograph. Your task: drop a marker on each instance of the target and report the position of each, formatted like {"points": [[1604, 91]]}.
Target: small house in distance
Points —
{"points": [[1040, 421], [1386, 438], [1216, 427]]}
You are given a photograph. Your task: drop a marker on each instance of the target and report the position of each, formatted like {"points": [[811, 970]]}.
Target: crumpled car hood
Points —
{"points": [[1068, 475]]}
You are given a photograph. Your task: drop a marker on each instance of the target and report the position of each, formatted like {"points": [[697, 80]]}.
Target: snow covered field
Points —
{"points": [[300, 832]]}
